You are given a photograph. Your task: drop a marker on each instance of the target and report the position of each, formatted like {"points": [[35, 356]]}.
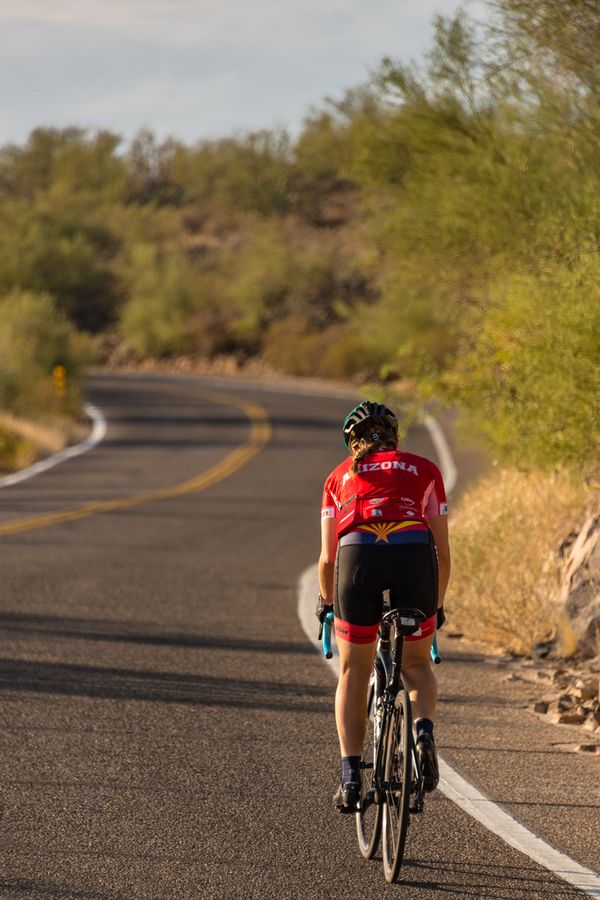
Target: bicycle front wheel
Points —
{"points": [[368, 817], [398, 774]]}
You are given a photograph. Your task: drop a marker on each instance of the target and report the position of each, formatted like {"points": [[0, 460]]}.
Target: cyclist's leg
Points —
{"points": [[357, 606], [419, 678], [356, 662], [414, 584], [420, 681]]}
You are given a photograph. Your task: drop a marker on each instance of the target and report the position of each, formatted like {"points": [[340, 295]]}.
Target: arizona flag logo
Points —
{"points": [[382, 530]]}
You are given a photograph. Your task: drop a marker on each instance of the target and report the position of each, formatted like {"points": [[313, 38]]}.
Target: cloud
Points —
{"points": [[191, 67], [188, 21]]}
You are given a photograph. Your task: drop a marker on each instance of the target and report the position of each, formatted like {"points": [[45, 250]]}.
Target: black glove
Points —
{"points": [[441, 617], [321, 611]]}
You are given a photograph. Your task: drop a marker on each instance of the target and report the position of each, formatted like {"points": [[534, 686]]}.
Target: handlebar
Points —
{"points": [[434, 653], [325, 632], [327, 651]]}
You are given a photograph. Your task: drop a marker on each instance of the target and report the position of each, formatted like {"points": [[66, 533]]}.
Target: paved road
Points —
{"points": [[166, 729]]}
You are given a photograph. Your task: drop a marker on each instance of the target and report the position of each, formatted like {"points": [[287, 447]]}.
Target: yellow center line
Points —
{"points": [[260, 435]]}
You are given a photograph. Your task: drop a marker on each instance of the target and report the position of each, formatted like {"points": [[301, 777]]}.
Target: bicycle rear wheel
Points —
{"points": [[398, 774], [368, 817]]}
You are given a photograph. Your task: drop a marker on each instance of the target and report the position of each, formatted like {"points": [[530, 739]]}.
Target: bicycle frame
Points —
{"points": [[388, 661]]}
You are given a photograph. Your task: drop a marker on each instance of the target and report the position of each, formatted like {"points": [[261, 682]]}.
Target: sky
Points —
{"points": [[195, 69]]}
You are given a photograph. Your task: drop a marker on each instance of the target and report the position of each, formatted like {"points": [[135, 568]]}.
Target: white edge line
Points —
{"points": [[440, 443], [456, 788], [98, 432], [465, 795], [495, 819]]}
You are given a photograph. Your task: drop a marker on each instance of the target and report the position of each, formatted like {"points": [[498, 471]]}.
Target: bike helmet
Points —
{"points": [[361, 414]]}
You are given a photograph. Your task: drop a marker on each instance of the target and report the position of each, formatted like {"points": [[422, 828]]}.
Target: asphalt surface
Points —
{"points": [[166, 729]]}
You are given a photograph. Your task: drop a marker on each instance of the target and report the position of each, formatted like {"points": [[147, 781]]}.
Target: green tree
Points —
{"points": [[156, 317], [249, 173], [45, 250], [66, 161]]}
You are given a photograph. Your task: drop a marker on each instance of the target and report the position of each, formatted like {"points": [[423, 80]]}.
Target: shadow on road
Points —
{"points": [[23, 887], [124, 632], [479, 880], [25, 676]]}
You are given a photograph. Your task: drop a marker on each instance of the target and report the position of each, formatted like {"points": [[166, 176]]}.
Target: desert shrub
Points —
{"points": [[531, 378], [343, 354], [294, 346], [34, 338], [15, 451], [50, 249], [249, 172], [155, 318], [282, 271], [290, 346], [64, 161]]}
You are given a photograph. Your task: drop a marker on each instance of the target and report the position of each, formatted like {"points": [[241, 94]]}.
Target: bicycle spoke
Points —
{"points": [[398, 784], [368, 818]]}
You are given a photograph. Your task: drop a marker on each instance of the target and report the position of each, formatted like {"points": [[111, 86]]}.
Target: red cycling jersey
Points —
{"points": [[390, 486]]}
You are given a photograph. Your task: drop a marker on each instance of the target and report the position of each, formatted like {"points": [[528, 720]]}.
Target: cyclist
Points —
{"points": [[384, 527]]}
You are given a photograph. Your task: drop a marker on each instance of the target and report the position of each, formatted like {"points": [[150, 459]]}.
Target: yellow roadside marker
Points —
{"points": [[60, 381], [260, 435]]}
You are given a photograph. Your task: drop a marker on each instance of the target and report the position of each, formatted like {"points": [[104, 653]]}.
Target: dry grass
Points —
{"points": [[23, 441], [505, 537], [15, 452]]}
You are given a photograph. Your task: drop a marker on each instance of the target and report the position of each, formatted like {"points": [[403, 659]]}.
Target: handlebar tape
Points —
{"points": [[327, 635]]}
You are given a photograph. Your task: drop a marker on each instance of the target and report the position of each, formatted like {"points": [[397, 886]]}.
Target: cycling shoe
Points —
{"points": [[427, 756], [347, 797]]}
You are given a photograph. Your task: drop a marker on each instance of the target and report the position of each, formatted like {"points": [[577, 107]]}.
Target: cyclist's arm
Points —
{"points": [[439, 529], [327, 557]]}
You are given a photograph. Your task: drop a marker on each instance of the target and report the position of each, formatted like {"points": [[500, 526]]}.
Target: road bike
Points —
{"points": [[392, 778]]}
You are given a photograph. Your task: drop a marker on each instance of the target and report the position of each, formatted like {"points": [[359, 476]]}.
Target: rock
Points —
{"points": [[560, 677], [541, 706], [567, 544], [542, 649], [570, 717], [586, 688], [566, 701], [587, 748], [580, 591], [591, 723]]}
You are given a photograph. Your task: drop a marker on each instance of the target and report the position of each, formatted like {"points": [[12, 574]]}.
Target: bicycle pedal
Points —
{"points": [[366, 765], [367, 801]]}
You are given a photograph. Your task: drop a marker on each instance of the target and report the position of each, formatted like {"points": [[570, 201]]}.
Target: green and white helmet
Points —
{"points": [[360, 416]]}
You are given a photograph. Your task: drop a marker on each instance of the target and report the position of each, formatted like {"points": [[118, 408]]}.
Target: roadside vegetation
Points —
{"points": [[437, 225], [38, 413], [507, 534]]}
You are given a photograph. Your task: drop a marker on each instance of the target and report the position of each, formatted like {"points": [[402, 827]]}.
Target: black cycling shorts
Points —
{"points": [[364, 571]]}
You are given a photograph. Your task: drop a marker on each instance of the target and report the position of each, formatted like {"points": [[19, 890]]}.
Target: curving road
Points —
{"points": [[166, 728]]}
